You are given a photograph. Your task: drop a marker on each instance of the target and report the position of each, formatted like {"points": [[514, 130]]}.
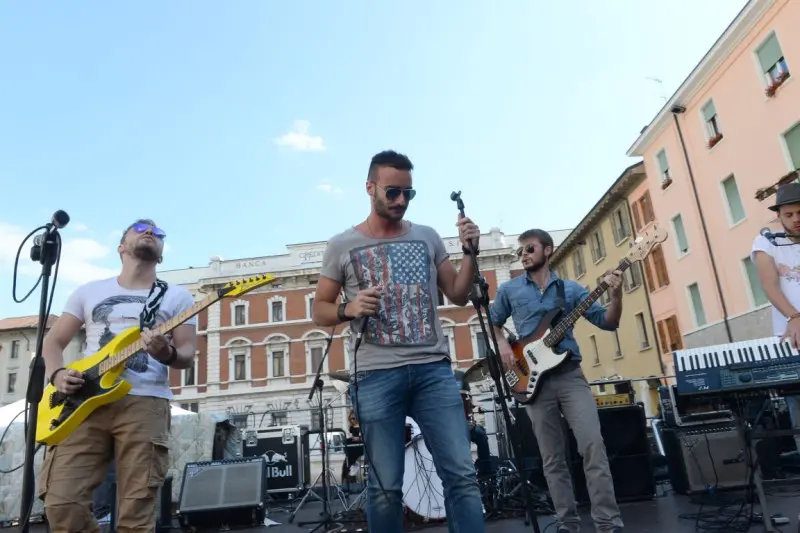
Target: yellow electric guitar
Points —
{"points": [[60, 414]]}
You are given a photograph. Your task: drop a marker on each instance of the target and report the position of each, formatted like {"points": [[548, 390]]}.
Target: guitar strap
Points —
{"points": [[147, 318]]}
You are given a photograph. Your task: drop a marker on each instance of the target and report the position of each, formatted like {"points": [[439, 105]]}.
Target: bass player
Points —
{"points": [[137, 426], [526, 299]]}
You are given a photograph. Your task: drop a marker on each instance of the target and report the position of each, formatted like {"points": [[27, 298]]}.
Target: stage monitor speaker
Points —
{"points": [[229, 493], [624, 431], [704, 457]]}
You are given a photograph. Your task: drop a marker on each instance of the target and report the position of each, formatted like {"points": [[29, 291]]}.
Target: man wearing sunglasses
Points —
{"points": [[526, 299], [391, 270], [133, 431]]}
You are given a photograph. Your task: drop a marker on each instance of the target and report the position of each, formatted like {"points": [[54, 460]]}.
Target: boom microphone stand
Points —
{"points": [[479, 296], [46, 250], [326, 522]]}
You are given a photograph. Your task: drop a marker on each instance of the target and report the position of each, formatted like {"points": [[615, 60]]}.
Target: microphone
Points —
{"points": [[770, 236], [60, 219]]}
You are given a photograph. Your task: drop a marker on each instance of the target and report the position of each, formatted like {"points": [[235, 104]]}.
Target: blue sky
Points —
{"points": [[114, 111]]}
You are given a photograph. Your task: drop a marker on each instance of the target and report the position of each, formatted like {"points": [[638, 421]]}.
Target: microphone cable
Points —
{"points": [[373, 470]]}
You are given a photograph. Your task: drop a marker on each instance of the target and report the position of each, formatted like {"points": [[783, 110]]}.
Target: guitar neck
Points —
{"points": [[558, 332], [162, 329]]}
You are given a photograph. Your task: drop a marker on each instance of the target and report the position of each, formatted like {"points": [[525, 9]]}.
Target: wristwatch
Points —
{"points": [[173, 356], [340, 312]]}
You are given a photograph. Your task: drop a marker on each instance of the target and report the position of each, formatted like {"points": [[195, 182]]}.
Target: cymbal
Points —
{"points": [[477, 372], [340, 375]]}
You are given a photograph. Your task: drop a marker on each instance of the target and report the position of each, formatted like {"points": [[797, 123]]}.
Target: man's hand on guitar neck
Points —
{"points": [[157, 345]]}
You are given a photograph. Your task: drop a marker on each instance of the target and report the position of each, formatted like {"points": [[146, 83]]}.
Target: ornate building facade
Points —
{"points": [[258, 354]]}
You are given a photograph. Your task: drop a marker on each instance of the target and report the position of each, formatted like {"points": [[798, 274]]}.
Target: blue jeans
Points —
{"points": [[429, 394]]}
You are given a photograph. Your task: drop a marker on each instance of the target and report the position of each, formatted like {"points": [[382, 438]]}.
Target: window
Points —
{"points": [[759, 297], [680, 235], [713, 130], [792, 139], [278, 364], [309, 305], [669, 334], [735, 207], [316, 342], [655, 269], [480, 343], [316, 421], [193, 407], [595, 351], [316, 357], [598, 246], [578, 264], [632, 277], [14, 350], [240, 367], [189, 376], [276, 312], [642, 210], [697, 305], [280, 418], [617, 345], [619, 225], [772, 62], [605, 298], [641, 330], [239, 316], [663, 165], [11, 386]]}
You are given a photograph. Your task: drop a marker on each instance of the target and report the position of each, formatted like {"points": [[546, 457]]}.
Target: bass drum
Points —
{"points": [[423, 495]]}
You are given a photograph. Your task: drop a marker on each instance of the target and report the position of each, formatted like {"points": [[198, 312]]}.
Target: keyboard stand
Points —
{"points": [[751, 437]]}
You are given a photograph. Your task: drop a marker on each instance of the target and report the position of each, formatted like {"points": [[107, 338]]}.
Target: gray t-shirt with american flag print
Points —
{"points": [[406, 329]]}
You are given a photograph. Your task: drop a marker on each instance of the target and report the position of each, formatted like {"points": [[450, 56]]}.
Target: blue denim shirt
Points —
{"points": [[521, 300]]}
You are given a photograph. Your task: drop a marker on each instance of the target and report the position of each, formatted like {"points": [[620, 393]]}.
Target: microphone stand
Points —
{"points": [[479, 296], [47, 252], [326, 522]]}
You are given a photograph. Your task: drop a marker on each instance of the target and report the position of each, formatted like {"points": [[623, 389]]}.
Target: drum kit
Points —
{"points": [[423, 495]]}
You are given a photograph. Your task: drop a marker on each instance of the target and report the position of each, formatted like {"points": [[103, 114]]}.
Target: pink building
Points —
{"points": [[732, 128]]}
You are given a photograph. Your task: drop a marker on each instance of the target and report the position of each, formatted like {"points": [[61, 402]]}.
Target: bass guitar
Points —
{"points": [[60, 414], [535, 356]]}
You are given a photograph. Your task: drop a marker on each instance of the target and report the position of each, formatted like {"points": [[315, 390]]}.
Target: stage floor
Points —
{"points": [[661, 515]]}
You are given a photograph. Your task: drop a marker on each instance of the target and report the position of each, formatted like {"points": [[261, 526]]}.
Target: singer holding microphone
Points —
{"points": [[390, 270], [777, 260]]}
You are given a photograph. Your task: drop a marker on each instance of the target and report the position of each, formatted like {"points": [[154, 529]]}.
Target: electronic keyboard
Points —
{"points": [[758, 364]]}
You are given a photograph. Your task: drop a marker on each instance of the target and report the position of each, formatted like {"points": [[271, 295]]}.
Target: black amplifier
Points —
{"points": [[285, 450]]}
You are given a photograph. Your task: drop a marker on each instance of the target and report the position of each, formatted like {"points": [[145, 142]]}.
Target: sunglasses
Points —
{"points": [[528, 249], [157, 232], [393, 193]]}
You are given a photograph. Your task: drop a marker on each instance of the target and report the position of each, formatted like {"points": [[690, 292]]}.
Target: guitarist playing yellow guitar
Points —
{"points": [[114, 403]]}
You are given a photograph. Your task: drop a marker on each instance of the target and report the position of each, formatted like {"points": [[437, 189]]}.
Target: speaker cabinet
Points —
{"points": [[224, 493], [624, 431]]}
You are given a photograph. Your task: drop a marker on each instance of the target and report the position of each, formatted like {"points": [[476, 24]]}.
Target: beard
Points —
{"points": [[384, 210], [535, 266], [147, 252]]}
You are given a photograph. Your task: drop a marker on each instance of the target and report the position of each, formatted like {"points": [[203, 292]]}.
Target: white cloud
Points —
{"points": [[299, 139], [329, 189], [79, 227], [79, 257]]}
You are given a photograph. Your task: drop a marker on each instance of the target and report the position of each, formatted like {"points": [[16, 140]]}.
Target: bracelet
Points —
{"points": [[468, 252], [172, 357], [53, 376]]}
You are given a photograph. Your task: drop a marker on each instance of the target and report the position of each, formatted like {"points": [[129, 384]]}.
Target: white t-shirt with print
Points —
{"points": [[107, 309], [787, 261]]}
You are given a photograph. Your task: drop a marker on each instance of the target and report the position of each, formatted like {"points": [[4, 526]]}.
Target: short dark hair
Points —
{"points": [[539, 234], [388, 158]]}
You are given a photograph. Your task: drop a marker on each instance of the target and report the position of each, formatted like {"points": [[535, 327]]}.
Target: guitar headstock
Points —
{"points": [[242, 286], [644, 244]]}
